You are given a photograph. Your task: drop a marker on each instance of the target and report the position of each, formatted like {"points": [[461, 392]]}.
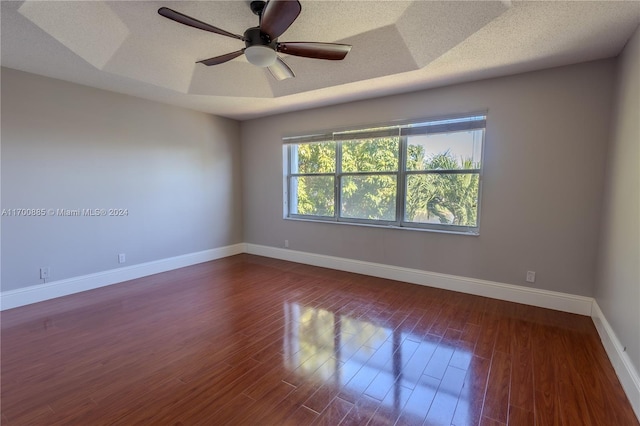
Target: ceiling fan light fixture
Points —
{"points": [[262, 46], [260, 56]]}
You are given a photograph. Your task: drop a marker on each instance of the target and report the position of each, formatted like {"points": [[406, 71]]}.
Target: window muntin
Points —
{"points": [[420, 175]]}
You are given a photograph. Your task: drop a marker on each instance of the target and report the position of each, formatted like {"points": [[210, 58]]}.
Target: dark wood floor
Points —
{"points": [[254, 341]]}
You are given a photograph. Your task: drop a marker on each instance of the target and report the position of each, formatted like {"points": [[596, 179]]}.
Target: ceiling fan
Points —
{"points": [[261, 42]]}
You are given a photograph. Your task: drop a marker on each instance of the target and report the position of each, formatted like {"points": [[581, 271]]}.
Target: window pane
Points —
{"points": [[445, 151], [450, 199], [370, 155], [369, 197], [312, 195], [313, 158]]}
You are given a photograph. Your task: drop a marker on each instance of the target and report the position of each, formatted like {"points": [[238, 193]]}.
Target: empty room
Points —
{"points": [[320, 213]]}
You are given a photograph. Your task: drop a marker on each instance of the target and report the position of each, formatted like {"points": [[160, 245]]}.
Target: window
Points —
{"points": [[418, 175]]}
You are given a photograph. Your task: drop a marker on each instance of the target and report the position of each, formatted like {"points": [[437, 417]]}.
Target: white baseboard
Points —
{"points": [[40, 292], [512, 293], [529, 296], [620, 360]]}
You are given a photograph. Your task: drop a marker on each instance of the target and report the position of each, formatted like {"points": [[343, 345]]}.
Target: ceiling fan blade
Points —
{"points": [[278, 15], [221, 59], [331, 51], [192, 22], [280, 70]]}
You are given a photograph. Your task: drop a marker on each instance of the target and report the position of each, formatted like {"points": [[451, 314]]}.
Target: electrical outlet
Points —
{"points": [[531, 276], [122, 258], [286, 243], [44, 273]]}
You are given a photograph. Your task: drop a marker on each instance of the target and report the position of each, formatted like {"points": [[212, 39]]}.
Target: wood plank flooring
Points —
{"points": [[248, 340]]}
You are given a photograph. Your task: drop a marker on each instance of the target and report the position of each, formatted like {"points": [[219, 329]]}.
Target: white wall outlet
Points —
{"points": [[44, 273], [286, 243], [122, 258], [531, 276]]}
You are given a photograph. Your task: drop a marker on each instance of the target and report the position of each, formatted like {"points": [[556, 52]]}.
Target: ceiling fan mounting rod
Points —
{"points": [[257, 6]]}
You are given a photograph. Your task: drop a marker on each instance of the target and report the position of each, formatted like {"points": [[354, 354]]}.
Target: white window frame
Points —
{"points": [[476, 121]]}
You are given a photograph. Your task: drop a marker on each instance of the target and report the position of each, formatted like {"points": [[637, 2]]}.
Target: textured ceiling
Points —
{"points": [[398, 46]]}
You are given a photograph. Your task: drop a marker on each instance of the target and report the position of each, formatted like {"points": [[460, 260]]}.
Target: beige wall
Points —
{"points": [[618, 284], [70, 146], [544, 166]]}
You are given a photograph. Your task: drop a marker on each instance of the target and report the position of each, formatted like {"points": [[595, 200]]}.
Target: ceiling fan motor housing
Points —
{"points": [[254, 37]]}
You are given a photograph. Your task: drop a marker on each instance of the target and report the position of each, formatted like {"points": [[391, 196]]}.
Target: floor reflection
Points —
{"points": [[419, 376]]}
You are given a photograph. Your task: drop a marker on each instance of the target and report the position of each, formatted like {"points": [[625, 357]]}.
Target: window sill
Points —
{"points": [[395, 227]]}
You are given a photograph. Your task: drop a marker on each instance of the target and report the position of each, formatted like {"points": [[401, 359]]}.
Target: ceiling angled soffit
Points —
{"points": [[431, 28], [89, 29], [130, 39], [222, 80], [374, 54], [88, 43], [151, 54], [423, 32]]}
